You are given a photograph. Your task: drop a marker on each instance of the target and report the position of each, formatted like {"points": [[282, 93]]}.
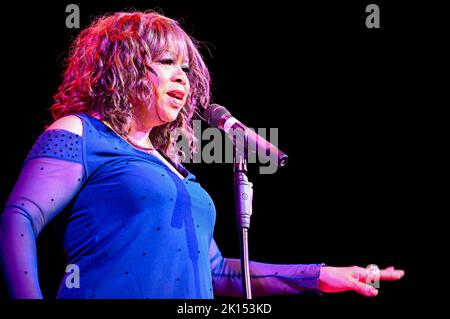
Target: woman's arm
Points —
{"points": [[266, 279], [44, 187], [272, 279]]}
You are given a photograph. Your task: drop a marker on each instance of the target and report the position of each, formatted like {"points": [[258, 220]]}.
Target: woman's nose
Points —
{"points": [[179, 76]]}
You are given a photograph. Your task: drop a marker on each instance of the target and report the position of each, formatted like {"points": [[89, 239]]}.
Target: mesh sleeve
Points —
{"points": [[266, 279], [51, 176]]}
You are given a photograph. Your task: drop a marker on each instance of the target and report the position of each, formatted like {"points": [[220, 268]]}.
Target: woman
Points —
{"points": [[134, 221]]}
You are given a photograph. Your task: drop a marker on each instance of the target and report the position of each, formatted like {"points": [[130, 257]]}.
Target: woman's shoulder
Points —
{"points": [[71, 123]]}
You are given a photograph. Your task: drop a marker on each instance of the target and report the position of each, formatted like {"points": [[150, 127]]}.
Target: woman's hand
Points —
{"points": [[338, 279]]}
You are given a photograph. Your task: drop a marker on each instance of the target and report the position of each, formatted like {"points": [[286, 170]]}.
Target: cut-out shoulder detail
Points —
{"points": [[71, 123]]}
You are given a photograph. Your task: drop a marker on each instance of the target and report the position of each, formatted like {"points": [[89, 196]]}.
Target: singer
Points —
{"points": [[134, 221]]}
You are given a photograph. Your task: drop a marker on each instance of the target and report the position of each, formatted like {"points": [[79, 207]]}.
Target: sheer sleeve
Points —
{"points": [[266, 279], [51, 176]]}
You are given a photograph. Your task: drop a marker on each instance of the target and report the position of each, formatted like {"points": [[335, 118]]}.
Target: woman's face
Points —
{"points": [[170, 87]]}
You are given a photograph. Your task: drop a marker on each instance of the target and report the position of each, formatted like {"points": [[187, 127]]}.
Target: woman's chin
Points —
{"points": [[169, 117]]}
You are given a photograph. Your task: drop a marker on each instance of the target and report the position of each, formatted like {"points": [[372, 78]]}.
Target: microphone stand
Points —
{"points": [[243, 196]]}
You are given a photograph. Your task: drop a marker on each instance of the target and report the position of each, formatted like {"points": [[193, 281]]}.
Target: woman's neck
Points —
{"points": [[138, 135]]}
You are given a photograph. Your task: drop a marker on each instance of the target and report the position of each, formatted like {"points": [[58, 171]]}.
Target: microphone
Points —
{"points": [[218, 116]]}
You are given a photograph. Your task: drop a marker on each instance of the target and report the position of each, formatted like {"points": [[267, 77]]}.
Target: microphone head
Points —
{"points": [[214, 113]]}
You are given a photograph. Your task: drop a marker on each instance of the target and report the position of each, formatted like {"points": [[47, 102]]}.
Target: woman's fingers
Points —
{"points": [[364, 289], [370, 274], [391, 274], [361, 280]]}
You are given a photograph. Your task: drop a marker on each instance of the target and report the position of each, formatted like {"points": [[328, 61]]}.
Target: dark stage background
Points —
{"points": [[342, 96]]}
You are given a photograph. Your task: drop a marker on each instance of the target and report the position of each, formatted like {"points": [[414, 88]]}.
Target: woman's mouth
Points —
{"points": [[176, 97]]}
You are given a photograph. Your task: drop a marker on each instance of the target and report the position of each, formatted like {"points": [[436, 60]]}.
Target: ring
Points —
{"points": [[373, 273]]}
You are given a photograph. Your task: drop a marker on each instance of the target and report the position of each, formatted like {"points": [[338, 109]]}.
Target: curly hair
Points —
{"points": [[106, 70]]}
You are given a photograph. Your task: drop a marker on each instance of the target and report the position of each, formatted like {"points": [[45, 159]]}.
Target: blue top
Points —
{"points": [[135, 229], [131, 227]]}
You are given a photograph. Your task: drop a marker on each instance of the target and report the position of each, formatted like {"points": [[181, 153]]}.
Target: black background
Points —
{"points": [[344, 98]]}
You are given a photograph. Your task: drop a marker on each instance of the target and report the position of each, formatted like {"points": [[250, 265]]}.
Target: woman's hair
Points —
{"points": [[107, 67]]}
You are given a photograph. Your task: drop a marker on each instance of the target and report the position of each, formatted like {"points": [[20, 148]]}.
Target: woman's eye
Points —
{"points": [[166, 61]]}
